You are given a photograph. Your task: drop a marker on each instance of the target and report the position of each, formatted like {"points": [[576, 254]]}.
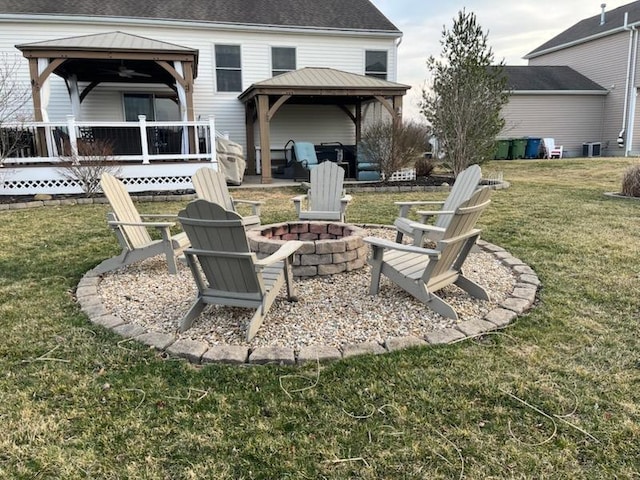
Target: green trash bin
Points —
{"points": [[502, 150], [518, 147]]}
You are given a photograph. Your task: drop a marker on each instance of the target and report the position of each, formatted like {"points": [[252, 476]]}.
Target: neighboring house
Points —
{"points": [[604, 49], [558, 102], [133, 55]]}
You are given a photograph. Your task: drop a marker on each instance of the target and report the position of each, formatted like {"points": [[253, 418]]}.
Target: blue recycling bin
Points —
{"points": [[533, 148]]}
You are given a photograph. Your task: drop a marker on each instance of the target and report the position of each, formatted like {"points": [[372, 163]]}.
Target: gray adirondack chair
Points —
{"points": [[233, 275], [422, 271], [466, 183], [212, 186], [132, 231], [325, 199]]}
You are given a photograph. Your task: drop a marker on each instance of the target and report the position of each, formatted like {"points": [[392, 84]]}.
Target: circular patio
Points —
{"points": [[335, 316]]}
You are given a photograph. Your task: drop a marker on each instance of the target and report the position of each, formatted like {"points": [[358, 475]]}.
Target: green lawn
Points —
{"points": [[555, 395]]}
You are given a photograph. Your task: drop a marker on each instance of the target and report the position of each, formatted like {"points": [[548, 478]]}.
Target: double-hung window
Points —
{"points": [[375, 64], [228, 68], [283, 60]]}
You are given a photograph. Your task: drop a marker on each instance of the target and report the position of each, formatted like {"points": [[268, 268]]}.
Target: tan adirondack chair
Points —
{"points": [[212, 186], [466, 183], [132, 231], [421, 271], [325, 199], [233, 275]]}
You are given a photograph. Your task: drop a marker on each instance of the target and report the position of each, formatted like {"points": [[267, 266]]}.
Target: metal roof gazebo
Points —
{"points": [[314, 86]]}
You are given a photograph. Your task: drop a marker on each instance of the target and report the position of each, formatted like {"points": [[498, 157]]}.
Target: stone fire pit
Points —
{"points": [[329, 247]]}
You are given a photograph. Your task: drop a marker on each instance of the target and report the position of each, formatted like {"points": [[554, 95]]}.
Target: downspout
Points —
{"points": [[632, 96], [621, 135]]}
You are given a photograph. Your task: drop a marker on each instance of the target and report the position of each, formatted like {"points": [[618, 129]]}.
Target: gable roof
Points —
{"points": [[547, 79], [325, 14], [590, 28]]}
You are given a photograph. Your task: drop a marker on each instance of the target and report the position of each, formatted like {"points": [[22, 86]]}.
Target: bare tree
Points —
{"points": [[87, 166], [394, 145], [465, 102], [14, 95]]}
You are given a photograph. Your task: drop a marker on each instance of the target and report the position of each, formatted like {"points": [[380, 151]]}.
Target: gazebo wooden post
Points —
{"points": [[397, 108], [188, 88], [358, 123], [41, 139], [265, 138], [249, 121]]}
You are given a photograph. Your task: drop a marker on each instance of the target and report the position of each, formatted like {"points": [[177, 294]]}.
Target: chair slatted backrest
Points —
{"points": [[212, 186], [124, 211], [228, 264], [327, 185], [464, 186], [305, 152], [463, 222]]}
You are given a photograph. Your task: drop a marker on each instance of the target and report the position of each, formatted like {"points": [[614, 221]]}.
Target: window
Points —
{"points": [[228, 68], [376, 64], [283, 60], [161, 108]]}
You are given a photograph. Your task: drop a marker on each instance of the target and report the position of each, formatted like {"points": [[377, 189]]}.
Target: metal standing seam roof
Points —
{"points": [[108, 41], [360, 15], [590, 27], [549, 78], [315, 77]]}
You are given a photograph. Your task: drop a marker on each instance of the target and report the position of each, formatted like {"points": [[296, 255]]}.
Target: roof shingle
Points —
{"points": [[330, 14], [548, 78], [589, 27]]}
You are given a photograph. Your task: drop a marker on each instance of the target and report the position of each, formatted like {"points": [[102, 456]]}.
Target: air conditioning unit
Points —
{"points": [[592, 149]]}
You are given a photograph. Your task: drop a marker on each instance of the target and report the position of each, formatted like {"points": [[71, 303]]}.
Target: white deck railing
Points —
{"points": [[150, 156]]}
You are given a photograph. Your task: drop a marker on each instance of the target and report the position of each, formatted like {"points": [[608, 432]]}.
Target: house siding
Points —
{"points": [[570, 119], [343, 52], [587, 59]]}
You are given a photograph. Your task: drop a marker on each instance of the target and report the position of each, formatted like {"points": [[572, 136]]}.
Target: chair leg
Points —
{"points": [[438, 305], [193, 313], [288, 278], [472, 288], [255, 323], [377, 255]]}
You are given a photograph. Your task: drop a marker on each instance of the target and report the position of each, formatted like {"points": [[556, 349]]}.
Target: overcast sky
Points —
{"points": [[515, 28]]}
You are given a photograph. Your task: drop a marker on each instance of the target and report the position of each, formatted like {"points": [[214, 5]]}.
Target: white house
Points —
{"points": [[187, 62]]}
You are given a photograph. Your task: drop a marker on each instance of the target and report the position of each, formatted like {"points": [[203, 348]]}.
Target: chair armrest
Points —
{"points": [[346, 199], [382, 243], [424, 214], [255, 205], [282, 253], [159, 215], [142, 224], [406, 206]]}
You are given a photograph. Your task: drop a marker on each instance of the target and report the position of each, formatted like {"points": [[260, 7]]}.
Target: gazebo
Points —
{"points": [[313, 86], [108, 57]]}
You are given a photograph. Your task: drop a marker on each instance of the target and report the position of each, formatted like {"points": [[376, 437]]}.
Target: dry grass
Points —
{"points": [[553, 396]]}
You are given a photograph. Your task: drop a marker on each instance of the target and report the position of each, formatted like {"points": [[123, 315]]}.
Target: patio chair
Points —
{"points": [[212, 186], [551, 150], [233, 275], [132, 233], [421, 271], [464, 186], [325, 199]]}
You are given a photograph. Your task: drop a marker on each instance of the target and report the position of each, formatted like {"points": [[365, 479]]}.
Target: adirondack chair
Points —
{"points": [[325, 200], [212, 186], [233, 275], [421, 271], [132, 233], [552, 150], [463, 187]]}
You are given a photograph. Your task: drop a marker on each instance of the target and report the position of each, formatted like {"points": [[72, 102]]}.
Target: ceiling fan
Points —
{"points": [[125, 72]]}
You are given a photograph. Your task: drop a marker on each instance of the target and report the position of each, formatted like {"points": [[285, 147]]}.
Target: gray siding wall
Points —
{"points": [[313, 49], [605, 62], [570, 119]]}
